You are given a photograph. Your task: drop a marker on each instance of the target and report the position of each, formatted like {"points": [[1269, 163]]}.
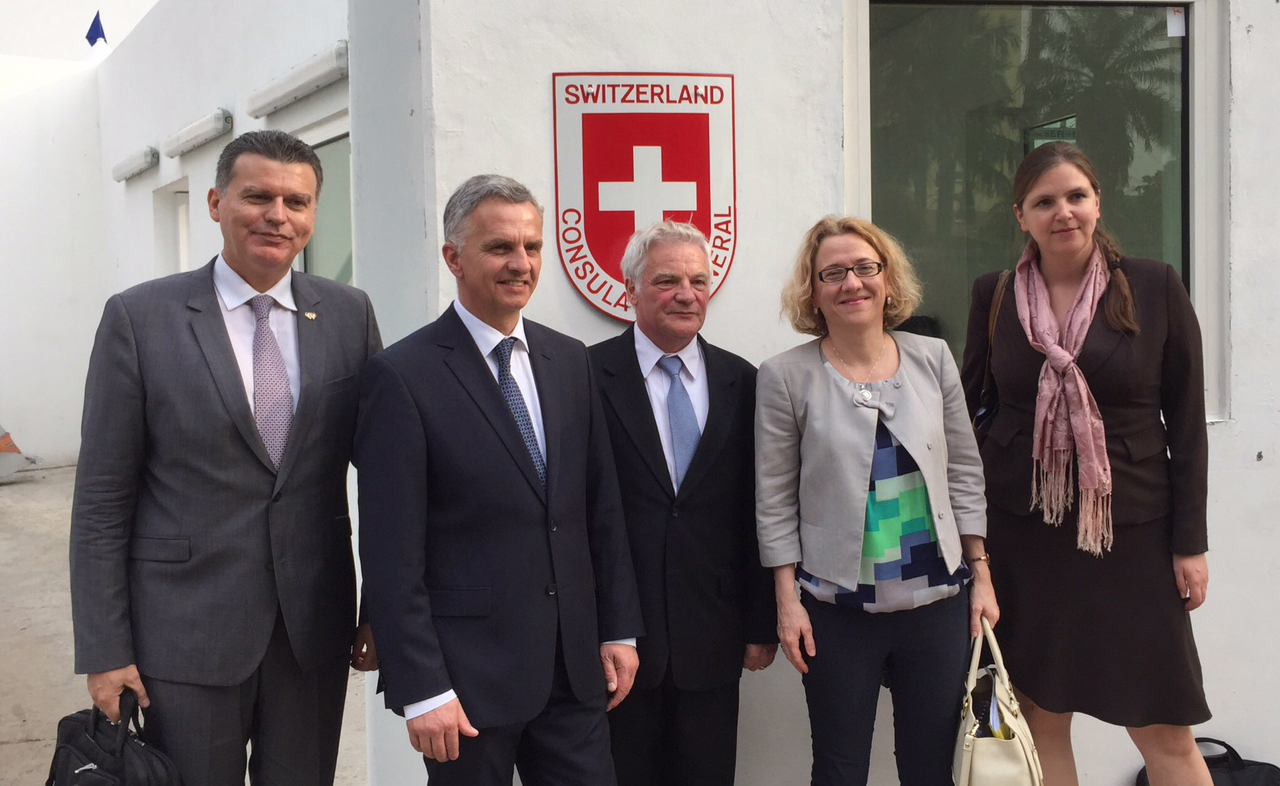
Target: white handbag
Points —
{"points": [[994, 745]]}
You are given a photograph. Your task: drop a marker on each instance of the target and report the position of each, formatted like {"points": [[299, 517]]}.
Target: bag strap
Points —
{"points": [[990, 638], [992, 316]]}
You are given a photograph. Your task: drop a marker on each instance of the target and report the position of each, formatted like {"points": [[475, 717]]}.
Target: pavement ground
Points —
{"points": [[37, 687]]}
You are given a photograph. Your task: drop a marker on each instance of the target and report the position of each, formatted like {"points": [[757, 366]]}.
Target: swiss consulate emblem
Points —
{"points": [[632, 149]]}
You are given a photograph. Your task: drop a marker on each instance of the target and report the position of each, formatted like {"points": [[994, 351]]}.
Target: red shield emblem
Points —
{"points": [[634, 149]]}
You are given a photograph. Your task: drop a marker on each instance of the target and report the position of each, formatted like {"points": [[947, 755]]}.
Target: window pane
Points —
{"points": [[329, 252], [960, 93]]}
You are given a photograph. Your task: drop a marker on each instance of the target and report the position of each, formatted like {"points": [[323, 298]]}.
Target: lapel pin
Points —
{"points": [[309, 314]]}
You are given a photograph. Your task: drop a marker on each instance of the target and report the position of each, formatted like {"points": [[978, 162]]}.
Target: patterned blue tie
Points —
{"points": [[515, 402], [272, 399], [684, 423]]}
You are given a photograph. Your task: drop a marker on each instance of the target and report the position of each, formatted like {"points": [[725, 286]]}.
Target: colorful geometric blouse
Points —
{"points": [[901, 565]]}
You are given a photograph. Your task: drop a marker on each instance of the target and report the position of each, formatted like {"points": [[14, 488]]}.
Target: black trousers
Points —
{"points": [[291, 718], [675, 737], [567, 744], [923, 651]]}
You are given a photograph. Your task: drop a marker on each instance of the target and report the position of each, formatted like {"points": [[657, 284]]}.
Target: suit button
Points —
{"points": [[675, 513], [551, 589], [942, 514], [553, 525], [929, 445]]}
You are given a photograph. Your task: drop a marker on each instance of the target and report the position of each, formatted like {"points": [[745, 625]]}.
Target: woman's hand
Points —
{"points": [[1191, 571], [982, 596], [794, 629], [982, 599]]}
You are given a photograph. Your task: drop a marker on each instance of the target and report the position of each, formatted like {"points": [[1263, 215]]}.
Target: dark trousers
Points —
{"points": [[923, 651], [567, 744], [291, 718], [675, 737]]}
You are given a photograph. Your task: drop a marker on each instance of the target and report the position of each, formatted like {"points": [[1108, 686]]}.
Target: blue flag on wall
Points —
{"points": [[96, 33]]}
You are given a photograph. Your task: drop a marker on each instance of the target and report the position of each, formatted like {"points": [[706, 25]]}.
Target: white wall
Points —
{"points": [[51, 275], [1237, 630]]}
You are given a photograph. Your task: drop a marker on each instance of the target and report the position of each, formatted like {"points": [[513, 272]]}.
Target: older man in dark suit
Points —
{"points": [[497, 574], [211, 563], [681, 419]]}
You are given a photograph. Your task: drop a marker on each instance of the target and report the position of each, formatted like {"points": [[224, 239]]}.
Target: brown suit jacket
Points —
{"points": [[1149, 388]]}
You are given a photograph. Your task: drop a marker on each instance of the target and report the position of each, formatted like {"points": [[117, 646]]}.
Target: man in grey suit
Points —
{"points": [[211, 562]]}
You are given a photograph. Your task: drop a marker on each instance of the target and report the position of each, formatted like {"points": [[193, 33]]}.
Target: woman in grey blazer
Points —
{"points": [[869, 498]]}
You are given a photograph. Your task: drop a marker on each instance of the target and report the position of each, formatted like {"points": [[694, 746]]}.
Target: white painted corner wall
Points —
{"points": [[52, 280]]}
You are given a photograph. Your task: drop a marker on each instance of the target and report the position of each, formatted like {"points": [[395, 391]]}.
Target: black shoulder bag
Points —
{"points": [[93, 751], [1228, 769]]}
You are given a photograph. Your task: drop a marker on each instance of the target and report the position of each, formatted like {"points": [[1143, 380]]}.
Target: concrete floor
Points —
{"points": [[38, 686]]}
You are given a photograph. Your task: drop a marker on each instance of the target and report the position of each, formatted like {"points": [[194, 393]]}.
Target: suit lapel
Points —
{"points": [[624, 390], [722, 395], [1100, 342], [211, 333], [311, 360], [472, 372]]}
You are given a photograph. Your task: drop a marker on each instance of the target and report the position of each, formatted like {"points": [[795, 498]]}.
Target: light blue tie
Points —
{"points": [[684, 424], [515, 402]]}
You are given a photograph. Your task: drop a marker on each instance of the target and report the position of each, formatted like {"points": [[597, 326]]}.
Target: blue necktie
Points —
{"points": [[684, 424], [515, 402]]}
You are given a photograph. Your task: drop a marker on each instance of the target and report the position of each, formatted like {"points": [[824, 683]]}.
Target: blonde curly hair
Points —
{"points": [[901, 284]]}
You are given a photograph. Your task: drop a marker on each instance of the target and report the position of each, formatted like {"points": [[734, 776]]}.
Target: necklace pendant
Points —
{"points": [[864, 394]]}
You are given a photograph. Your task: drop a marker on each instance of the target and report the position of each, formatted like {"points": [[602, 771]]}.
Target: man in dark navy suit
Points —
{"points": [[681, 420], [497, 575]]}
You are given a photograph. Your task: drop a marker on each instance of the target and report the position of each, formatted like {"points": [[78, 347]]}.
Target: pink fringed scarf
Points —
{"points": [[1067, 417]]}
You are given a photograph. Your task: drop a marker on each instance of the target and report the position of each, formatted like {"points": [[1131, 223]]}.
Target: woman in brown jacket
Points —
{"points": [[1096, 472]]}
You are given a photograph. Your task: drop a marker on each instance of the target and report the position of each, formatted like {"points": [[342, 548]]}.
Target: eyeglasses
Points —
{"points": [[836, 273]]}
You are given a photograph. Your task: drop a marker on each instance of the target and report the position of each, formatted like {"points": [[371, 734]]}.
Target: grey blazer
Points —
{"points": [[814, 443], [185, 541]]}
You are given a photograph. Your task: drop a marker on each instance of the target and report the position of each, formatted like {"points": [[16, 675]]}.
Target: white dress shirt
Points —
{"points": [[656, 382], [487, 338], [234, 294]]}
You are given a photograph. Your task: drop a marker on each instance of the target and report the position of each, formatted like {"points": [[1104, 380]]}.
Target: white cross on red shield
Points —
{"points": [[634, 149]]}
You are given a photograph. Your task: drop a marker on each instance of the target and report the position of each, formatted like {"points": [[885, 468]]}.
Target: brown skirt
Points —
{"points": [[1108, 637]]}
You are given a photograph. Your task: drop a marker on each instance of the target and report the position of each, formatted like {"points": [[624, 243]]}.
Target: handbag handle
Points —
{"points": [[1233, 759], [128, 714], [990, 637]]}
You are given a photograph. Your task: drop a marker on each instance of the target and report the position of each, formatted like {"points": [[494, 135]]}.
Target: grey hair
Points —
{"points": [[468, 196], [634, 258], [272, 145]]}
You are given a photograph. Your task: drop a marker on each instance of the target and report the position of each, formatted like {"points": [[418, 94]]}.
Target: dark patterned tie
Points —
{"points": [[684, 423], [272, 399], [515, 402]]}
